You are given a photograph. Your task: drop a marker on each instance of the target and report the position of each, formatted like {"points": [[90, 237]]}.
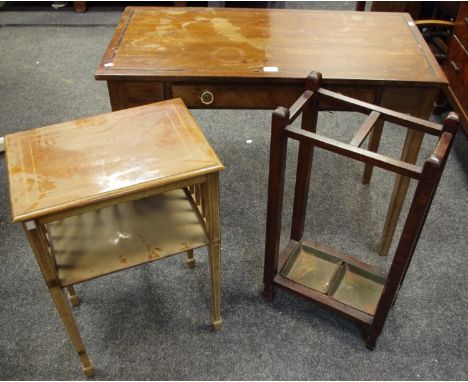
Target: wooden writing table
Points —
{"points": [[259, 58], [106, 193]]}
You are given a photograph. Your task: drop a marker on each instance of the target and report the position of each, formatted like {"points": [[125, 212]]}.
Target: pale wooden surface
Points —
{"points": [[244, 43], [122, 236], [64, 166], [38, 241]]}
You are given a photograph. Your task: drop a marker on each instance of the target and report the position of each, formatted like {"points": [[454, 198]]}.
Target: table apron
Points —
{"points": [[126, 94]]}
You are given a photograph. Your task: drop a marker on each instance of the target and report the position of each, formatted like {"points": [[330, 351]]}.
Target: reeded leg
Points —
{"points": [[72, 296], [41, 252], [190, 259], [214, 258], [210, 194], [61, 302]]}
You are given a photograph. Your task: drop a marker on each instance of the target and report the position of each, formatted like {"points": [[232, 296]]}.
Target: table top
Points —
{"points": [[268, 44], [74, 164]]}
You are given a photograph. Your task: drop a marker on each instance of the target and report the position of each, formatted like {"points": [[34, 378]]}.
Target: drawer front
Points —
{"points": [[256, 97], [456, 68], [404, 100], [461, 24], [235, 96], [125, 94]]}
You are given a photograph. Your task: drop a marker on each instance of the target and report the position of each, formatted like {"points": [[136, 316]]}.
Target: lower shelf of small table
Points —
{"points": [[333, 279], [123, 236]]}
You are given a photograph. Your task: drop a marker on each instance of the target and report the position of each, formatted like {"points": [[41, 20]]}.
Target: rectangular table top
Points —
{"points": [[269, 44], [56, 168]]}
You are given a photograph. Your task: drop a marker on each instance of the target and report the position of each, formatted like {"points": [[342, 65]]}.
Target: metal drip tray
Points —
{"points": [[311, 267], [358, 288], [334, 276]]}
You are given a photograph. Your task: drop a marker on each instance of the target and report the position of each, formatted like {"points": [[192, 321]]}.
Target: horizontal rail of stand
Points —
{"points": [[365, 129], [345, 149], [386, 114], [297, 106]]}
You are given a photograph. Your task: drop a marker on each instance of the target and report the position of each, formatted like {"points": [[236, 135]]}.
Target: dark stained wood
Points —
{"points": [[305, 157], [428, 178], [350, 151], [323, 300], [79, 6], [423, 196], [374, 140], [456, 65], [175, 44], [297, 107], [386, 114], [365, 129], [278, 147]]}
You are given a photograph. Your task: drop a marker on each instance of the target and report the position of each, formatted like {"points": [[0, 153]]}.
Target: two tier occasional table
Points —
{"points": [[106, 193]]}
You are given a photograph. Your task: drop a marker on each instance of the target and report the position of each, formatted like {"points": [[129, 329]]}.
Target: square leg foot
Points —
{"points": [[89, 371], [74, 300], [217, 325], [267, 293], [191, 263]]}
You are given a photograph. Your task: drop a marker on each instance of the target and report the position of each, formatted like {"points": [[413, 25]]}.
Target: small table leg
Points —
{"points": [[210, 194], [190, 259], [38, 243]]}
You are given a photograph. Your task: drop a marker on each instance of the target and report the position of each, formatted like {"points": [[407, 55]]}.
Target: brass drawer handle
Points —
{"points": [[455, 66], [207, 97]]}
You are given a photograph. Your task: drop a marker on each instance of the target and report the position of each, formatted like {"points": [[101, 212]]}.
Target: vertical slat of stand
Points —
{"points": [[304, 161], [406, 246], [409, 154], [39, 246], [278, 148], [424, 194], [374, 139]]}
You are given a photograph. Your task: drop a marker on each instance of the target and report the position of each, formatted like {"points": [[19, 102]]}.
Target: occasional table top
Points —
{"points": [[377, 47], [72, 164]]}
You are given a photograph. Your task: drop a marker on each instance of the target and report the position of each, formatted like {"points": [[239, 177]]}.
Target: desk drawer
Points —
{"points": [[236, 96], [251, 96], [456, 68]]}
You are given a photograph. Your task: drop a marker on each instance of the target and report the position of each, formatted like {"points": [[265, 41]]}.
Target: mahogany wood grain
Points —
{"points": [[173, 44], [365, 129]]}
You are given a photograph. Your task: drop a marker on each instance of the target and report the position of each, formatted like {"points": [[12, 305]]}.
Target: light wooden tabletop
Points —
{"points": [[269, 44], [59, 167]]}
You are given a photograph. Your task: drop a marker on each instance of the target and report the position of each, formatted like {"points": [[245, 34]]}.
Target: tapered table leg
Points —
{"points": [[210, 191], [39, 245]]}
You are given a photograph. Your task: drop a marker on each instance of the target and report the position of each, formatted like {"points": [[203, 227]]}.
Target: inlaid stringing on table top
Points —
{"points": [[266, 43], [63, 166]]}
